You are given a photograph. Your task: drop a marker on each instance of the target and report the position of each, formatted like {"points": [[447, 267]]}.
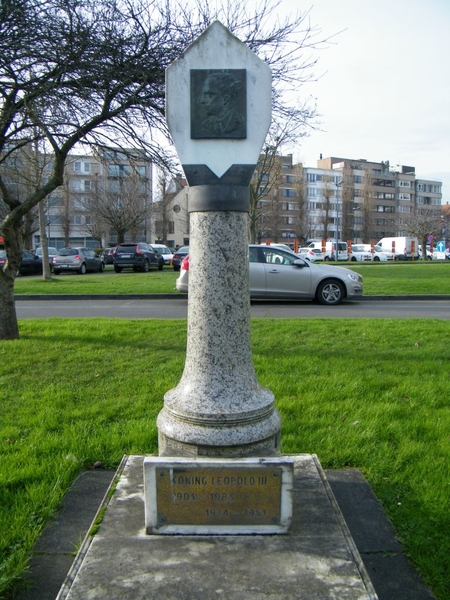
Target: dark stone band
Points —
{"points": [[202, 175], [203, 198]]}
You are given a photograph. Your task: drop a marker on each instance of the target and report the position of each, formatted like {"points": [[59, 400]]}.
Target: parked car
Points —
{"points": [[30, 263], [79, 260], [311, 254], [359, 253], [51, 253], [178, 256], [441, 254], [108, 255], [278, 273], [276, 245], [330, 250], [138, 256], [428, 251], [165, 252], [379, 254]]}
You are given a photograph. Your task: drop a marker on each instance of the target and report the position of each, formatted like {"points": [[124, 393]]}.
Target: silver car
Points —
{"points": [[79, 260], [360, 254], [279, 273]]}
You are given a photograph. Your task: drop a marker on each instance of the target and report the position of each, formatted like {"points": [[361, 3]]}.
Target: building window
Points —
{"points": [[403, 183], [81, 167], [286, 192], [288, 178], [118, 170]]}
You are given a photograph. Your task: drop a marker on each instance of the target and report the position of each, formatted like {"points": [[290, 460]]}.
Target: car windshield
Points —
{"points": [[128, 248], [2, 253], [68, 252]]}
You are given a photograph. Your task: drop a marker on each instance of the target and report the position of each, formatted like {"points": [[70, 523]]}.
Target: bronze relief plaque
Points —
{"points": [[218, 104]]}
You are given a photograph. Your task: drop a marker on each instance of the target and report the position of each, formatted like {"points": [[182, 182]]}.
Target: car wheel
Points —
{"points": [[145, 267], [82, 269], [376, 258], [176, 267], [117, 269], [330, 292], [56, 271], [102, 267], [354, 259], [160, 265]]}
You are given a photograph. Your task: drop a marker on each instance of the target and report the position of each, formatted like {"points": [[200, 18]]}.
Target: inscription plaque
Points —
{"points": [[218, 104], [218, 496]]}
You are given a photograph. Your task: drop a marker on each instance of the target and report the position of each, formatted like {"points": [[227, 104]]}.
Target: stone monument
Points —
{"points": [[219, 112], [218, 417]]}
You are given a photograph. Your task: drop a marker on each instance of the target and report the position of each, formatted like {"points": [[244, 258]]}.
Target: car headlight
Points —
{"points": [[355, 277]]}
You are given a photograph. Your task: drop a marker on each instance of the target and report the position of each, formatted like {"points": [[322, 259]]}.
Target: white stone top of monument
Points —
{"points": [[218, 51]]}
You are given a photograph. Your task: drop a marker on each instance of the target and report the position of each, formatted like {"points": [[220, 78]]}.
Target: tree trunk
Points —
{"points": [[9, 328], [44, 242]]}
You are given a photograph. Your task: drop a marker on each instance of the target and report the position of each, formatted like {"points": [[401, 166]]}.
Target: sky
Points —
{"points": [[383, 89]]}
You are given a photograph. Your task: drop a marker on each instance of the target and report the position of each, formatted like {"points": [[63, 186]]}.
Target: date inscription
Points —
{"points": [[219, 496]]}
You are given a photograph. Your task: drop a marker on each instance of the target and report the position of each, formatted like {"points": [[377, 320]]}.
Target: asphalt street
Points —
{"points": [[176, 308]]}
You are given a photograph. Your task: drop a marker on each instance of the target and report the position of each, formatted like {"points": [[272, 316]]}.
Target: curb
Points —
{"points": [[180, 296]]}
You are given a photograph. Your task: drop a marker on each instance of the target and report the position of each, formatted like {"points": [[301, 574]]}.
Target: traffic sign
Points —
{"points": [[440, 246]]}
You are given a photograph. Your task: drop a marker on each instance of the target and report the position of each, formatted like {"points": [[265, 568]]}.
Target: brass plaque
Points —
{"points": [[218, 496]]}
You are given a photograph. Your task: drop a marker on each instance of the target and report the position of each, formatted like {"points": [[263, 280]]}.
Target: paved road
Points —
{"points": [[177, 309]]}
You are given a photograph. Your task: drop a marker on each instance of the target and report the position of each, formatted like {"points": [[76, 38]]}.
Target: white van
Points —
{"points": [[403, 247], [330, 250]]}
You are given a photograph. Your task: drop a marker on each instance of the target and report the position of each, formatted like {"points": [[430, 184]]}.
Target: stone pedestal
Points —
{"points": [[218, 407]]}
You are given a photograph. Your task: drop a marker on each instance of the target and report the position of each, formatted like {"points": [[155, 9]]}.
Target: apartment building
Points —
{"points": [[106, 196], [376, 199], [357, 200]]}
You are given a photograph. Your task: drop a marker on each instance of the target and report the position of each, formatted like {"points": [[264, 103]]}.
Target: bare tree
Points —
{"points": [[301, 225], [168, 188], [366, 215], [328, 192], [347, 193], [120, 205], [93, 72], [263, 190], [422, 223]]}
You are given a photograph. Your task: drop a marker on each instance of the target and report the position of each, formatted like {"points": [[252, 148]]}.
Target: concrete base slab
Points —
{"points": [[316, 560]]}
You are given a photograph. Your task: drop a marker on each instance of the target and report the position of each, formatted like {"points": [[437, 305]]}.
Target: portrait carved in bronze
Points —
{"points": [[218, 104]]}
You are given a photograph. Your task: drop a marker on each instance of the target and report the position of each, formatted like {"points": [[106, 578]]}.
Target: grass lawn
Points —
{"points": [[359, 393], [379, 279]]}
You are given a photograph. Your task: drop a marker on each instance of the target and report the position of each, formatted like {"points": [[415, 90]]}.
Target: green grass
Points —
{"points": [[153, 282], [358, 393], [379, 279]]}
